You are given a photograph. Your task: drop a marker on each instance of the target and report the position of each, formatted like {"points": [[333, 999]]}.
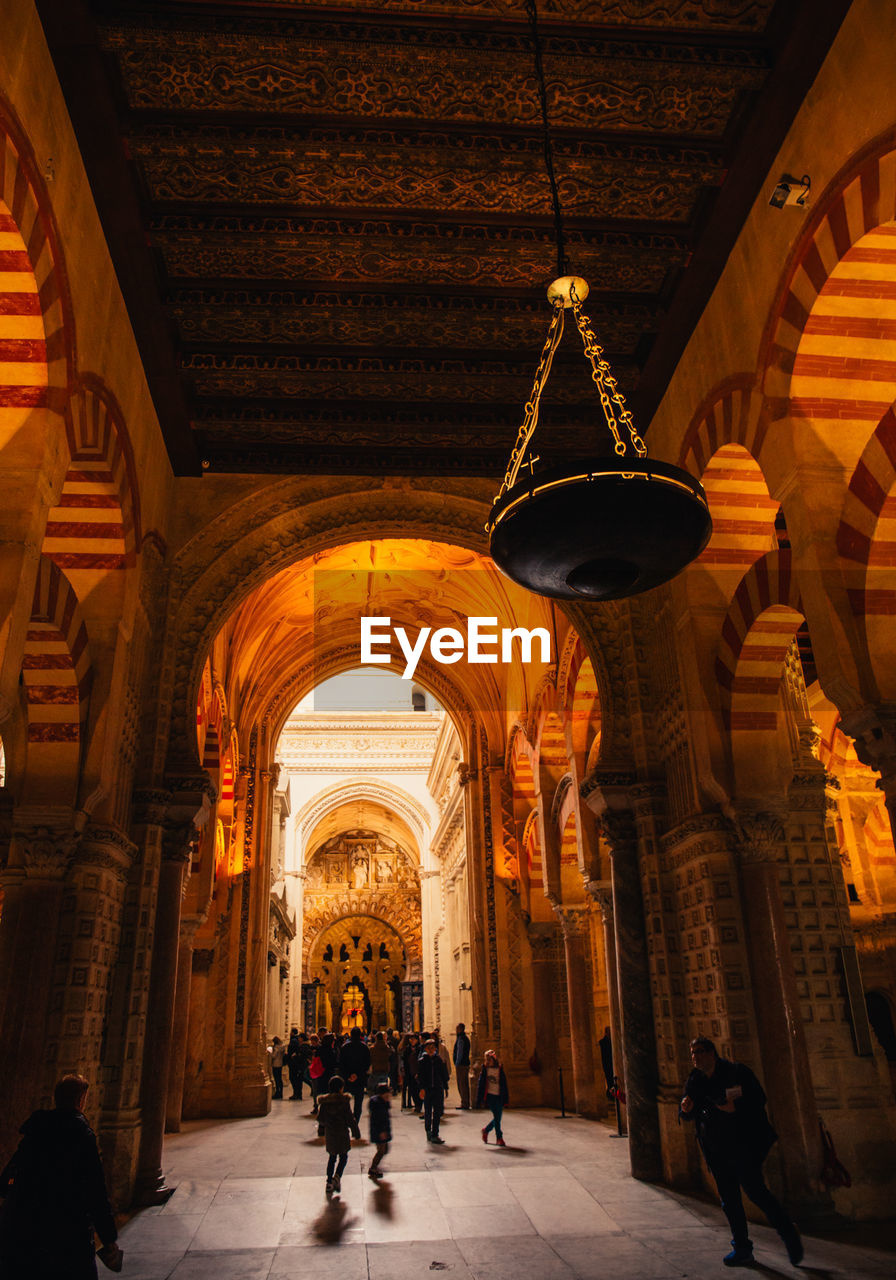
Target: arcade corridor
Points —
{"points": [[557, 1204]]}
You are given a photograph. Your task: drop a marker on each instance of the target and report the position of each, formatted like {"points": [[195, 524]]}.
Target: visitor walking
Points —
{"points": [[278, 1052], [432, 1081], [354, 1067], [334, 1111], [54, 1196], [727, 1103], [380, 1127], [410, 1054], [292, 1064], [379, 1063], [491, 1092], [461, 1057]]}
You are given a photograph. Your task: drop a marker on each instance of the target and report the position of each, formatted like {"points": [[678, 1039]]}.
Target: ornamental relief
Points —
{"points": [[337, 255], [313, 320], [416, 83], [358, 860], [253, 171]]}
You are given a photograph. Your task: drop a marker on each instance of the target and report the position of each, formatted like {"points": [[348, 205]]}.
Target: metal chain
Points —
{"points": [[530, 421], [610, 395]]}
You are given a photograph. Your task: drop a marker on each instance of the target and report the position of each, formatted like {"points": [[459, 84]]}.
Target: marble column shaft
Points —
{"points": [[473, 818], [180, 1025], [574, 923], [160, 1014], [540, 939], [40, 856], [785, 1057]]}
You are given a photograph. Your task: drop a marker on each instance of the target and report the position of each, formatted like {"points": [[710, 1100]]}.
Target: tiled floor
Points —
{"points": [[557, 1204]]}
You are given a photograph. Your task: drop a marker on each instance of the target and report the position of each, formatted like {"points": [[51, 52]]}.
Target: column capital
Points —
{"points": [[541, 939], [44, 842], [107, 848], [574, 918], [602, 893], [759, 835]]}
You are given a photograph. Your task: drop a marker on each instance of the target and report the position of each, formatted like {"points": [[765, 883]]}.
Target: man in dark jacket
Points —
{"points": [[354, 1067], [728, 1104], [461, 1057], [432, 1083], [292, 1064], [55, 1196]]}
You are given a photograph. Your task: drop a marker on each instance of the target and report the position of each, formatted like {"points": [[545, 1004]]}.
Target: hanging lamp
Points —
{"points": [[602, 528]]}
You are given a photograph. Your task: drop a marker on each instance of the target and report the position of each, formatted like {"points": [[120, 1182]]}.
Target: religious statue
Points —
{"points": [[359, 871], [383, 870]]}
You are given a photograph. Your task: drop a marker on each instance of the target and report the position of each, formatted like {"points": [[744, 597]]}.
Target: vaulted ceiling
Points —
{"points": [[332, 223]]}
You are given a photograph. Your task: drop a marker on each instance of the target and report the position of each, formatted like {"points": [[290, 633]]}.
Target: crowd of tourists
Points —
{"points": [[340, 1070]]}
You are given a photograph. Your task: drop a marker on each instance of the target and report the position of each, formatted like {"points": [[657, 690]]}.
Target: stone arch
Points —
{"points": [[385, 793], [866, 542], [743, 512], [100, 501], [762, 621], [57, 677], [858, 201], [254, 540], [404, 917], [36, 365], [768, 585], [732, 413]]}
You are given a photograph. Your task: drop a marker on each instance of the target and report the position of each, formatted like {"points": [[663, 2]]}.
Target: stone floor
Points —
{"points": [[557, 1203]]}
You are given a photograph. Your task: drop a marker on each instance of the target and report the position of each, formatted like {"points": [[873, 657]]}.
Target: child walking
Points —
{"points": [[380, 1127], [335, 1117]]}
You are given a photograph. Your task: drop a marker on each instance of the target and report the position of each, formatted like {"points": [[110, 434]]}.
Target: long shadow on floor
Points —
{"points": [[331, 1225]]}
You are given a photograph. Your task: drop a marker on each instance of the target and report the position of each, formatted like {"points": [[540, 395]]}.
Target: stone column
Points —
{"points": [[785, 1058], [195, 1041], [43, 845], [541, 941], [479, 941], [574, 921], [610, 800], [602, 893], [180, 1028], [190, 801]]}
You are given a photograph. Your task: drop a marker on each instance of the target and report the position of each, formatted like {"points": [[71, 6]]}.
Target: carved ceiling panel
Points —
{"points": [[345, 220]]}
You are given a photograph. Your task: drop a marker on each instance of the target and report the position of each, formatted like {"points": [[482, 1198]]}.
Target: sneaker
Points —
{"points": [[485, 1136], [337, 1184], [501, 1143], [739, 1257], [793, 1245]]}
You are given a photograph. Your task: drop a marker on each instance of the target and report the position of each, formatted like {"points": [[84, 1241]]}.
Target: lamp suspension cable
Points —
{"points": [[597, 527], [547, 143]]}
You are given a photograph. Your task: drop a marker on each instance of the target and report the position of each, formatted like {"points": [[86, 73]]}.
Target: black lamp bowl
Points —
{"points": [[599, 530]]}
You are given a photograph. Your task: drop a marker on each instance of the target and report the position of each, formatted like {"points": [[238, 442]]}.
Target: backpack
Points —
{"points": [[316, 1069]]}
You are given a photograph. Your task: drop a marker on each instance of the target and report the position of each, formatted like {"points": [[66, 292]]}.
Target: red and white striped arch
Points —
{"points": [[96, 524], [57, 676], [827, 352], [732, 413], [762, 620], [34, 359]]}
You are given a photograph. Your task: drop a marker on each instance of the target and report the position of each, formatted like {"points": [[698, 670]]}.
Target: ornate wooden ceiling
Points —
{"points": [[332, 223]]}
